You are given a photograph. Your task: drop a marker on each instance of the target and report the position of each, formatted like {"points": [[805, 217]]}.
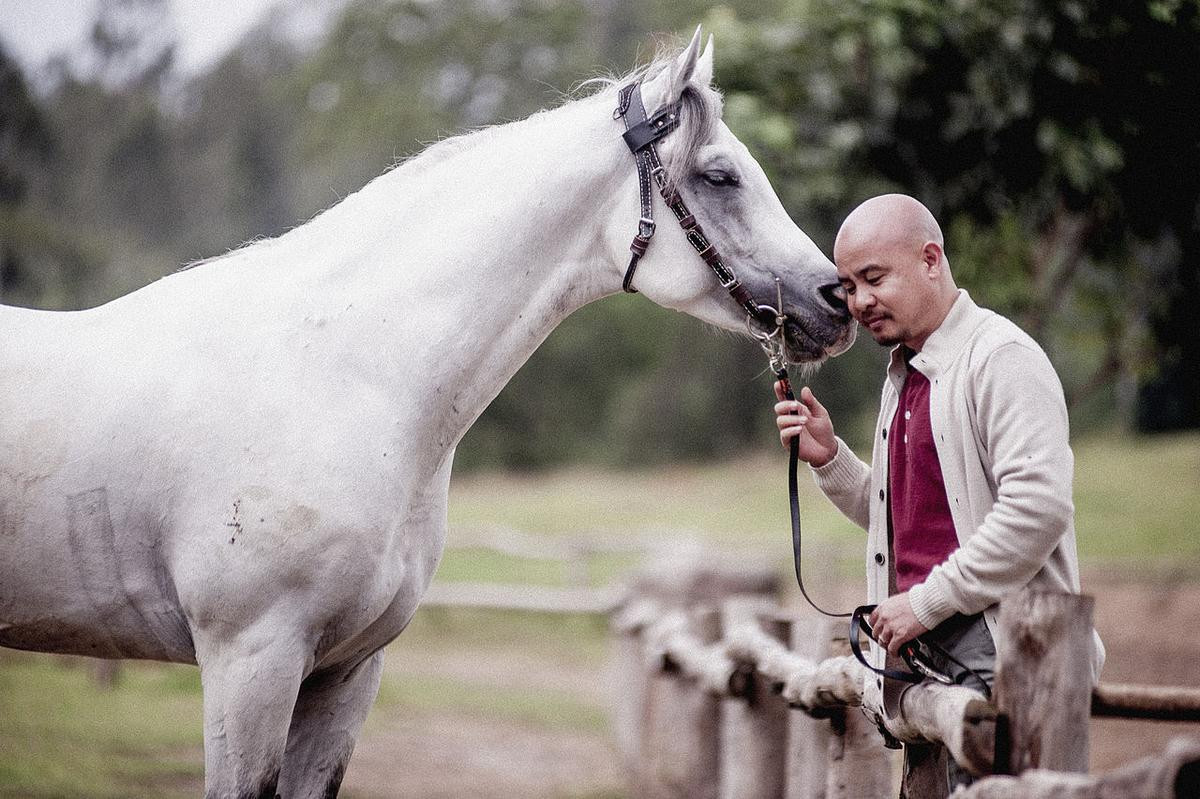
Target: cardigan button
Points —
{"points": [[881, 495], [879, 558], [885, 433]]}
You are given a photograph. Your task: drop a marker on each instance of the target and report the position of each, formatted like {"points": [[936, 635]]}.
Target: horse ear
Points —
{"points": [[704, 65], [667, 86]]}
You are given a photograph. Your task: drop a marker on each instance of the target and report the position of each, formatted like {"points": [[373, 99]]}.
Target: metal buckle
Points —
{"points": [[645, 227], [915, 659], [771, 341]]}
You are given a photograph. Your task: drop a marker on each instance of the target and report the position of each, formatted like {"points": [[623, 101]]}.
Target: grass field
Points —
{"points": [[60, 736], [1138, 508]]}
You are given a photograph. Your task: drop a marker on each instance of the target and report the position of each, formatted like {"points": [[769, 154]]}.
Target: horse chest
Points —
{"points": [[380, 616], [380, 602]]}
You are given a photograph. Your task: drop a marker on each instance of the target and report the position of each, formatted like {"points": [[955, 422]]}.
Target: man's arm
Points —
{"points": [[839, 473], [1022, 421]]}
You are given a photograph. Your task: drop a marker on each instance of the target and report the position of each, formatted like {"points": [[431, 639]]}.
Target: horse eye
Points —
{"points": [[716, 177]]}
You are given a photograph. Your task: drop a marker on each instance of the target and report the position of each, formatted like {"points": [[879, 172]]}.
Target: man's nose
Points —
{"points": [[860, 300]]}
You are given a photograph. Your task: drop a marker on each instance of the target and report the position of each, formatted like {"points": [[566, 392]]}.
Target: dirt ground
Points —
{"points": [[1149, 631], [1152, 634], [466, 754]]}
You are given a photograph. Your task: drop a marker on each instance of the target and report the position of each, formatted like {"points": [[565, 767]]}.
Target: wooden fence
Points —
{"points": [[732, 699], [669, 552]]}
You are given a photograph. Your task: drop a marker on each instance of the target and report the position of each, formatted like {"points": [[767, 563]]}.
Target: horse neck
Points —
{"points": [[463, 268]]}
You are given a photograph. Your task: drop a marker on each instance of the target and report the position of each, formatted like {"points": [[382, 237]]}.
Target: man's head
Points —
{"points": [[891, 261]]}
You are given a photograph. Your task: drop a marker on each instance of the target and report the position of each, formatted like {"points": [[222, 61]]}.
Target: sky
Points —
{"points": [[35, 30]]}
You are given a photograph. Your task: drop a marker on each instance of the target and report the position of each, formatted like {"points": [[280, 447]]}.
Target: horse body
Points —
{"points": [[246, 464]]}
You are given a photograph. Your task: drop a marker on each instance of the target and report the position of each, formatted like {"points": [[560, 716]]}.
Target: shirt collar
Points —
{"points": [[943, 345]]}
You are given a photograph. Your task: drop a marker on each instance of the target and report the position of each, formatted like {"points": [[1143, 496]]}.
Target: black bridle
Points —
{"points": [[640, 135]]}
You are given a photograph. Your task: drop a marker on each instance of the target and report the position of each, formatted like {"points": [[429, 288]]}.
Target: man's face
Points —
{"points": [[885, 289]]}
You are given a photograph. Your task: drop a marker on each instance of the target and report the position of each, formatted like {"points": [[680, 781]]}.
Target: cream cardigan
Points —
{"points": [[1000, 427]]}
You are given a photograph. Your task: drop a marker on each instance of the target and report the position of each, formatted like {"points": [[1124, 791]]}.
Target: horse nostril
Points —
{"points": [[835, 296]]}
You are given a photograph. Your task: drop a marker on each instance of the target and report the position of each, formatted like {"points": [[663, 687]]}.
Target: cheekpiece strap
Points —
{"points": [[633, 112], [640, 135]]}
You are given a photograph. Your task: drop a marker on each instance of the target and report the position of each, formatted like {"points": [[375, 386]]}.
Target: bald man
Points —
{"points": [[967, 498]]}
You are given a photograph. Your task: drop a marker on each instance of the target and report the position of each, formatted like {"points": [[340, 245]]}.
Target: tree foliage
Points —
{"points": [[1052, 139]]}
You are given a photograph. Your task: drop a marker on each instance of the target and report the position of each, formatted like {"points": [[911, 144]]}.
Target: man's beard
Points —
{"points": [[888, 339]]}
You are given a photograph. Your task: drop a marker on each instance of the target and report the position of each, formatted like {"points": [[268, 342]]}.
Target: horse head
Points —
{"points": [[726, 194]]}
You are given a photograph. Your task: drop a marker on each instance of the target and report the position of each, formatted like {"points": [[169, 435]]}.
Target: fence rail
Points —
{"points": [[733, 699], [535, 598]]}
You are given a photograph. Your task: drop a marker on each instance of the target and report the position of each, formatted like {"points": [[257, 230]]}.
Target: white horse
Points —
{"points": [[245, 465]]}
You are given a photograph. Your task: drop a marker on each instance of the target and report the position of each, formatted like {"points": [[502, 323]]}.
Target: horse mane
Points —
{"points": [[700, 109]]}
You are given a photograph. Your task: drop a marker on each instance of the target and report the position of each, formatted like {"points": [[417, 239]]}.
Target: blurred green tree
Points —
{"points": [[39, 263], [1053, 139], [1063, 135], [23, 136]]}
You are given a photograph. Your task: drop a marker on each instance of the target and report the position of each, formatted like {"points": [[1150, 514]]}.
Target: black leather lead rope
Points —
{"points": [[908, 652], [781, 375], [916, 659]]}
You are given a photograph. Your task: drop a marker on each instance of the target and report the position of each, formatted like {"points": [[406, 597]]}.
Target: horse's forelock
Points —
{"points": [[700, 109]]}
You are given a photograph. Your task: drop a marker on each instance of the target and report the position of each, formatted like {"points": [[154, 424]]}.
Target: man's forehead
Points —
{"points": [[854, 254]]}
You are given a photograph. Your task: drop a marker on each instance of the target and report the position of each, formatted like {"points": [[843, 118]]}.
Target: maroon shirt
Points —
{"points": [[922, 529]]}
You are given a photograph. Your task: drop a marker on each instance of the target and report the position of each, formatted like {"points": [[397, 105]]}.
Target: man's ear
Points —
{"points": [[667, 86], [931, 254]]}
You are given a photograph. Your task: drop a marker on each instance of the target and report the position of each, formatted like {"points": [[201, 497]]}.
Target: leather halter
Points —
{"points": [[640, 135]]}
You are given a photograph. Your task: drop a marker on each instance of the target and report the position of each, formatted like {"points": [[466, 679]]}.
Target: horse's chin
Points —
{"points": [[803, 347], [843, 342]]}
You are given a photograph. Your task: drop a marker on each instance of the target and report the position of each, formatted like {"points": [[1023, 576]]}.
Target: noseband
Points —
{"points": [[640, 135]]}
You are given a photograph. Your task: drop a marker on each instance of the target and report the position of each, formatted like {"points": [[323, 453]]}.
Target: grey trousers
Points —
{"points": [[966, 638]]}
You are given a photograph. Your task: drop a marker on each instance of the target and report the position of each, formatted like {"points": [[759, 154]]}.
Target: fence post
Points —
{"points": [[629, 677], [106, 674], [1044, 679], [680, 743], [808, 737], [860, 766], [754, 721]]}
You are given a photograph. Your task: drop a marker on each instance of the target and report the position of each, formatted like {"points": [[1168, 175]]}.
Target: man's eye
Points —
{"points": [[717, 177]]}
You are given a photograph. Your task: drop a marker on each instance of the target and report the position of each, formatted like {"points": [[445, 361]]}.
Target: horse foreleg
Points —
{"points": [[249, 691], [330, 711]]}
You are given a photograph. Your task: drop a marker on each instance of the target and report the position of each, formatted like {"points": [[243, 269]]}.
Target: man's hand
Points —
{"points": [[808, 422], [894, 623]]}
